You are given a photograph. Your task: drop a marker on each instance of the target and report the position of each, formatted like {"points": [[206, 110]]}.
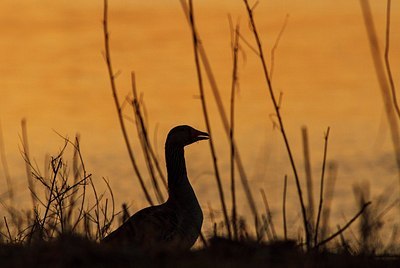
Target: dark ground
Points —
{"points": [[77, 252]]}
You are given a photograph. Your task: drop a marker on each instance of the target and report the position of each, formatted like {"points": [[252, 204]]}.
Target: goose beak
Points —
{"points": [[199, 135]]}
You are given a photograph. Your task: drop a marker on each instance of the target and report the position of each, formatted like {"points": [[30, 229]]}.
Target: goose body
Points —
{"points": [[175, 224]]}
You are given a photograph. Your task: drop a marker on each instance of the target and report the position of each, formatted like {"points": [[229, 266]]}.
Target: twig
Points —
{"points": [[144, 140], [118, 106], [344, 244], [264, 229], [341, 230], [268, 215], [284, 208], [224, 117], [331, 180], [206, 119], [274, 48], [5, 167], [382, 79], [8, 229], [25, 146], [249, 45], [235, 49], [203, 239], [107, 222], [321, 192], [307, 168], [97, 204], [280, 120], [387, 62], [53, 183], [76, 174], [78, 155], [155, 158]]}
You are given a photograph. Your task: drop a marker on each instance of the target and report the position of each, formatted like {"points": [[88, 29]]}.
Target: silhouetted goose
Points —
{"points": [[176, 224]]}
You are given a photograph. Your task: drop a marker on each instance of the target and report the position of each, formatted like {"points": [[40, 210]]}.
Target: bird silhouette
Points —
{"points": [[176, 224]]}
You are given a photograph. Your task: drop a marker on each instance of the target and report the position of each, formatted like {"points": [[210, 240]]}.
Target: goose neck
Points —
{"points": [[176, 166]]}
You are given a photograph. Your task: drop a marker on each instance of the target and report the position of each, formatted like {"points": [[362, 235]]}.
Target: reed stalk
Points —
{"points": [[309, 182], [206, 118], [111, 75], [321, 192], [387, 59], [381, 74], [25, 145], [342, 229], [144, 140], [275, 46], [268, 214], [224, 118], [6, 172], [330, 183], [235, 50], [280, 120], [284, 208]]}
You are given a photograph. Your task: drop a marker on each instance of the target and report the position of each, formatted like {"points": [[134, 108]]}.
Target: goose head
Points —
{"points": [[181, 136]]}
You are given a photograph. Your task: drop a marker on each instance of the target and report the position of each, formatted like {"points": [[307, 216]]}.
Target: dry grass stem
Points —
{"points": [[387, 60], [307, 168], [8, 229], [280, 120], [25, 146], [118, 106], [206, 118], [321, 192], [4, 163], [382, 79], [145, 143], [275, 46], [268, 214], [341, 230], [223, 116], [329, 190], [234, 85], [284, 208]]}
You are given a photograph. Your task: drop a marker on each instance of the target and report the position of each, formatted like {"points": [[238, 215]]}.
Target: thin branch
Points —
{"points": [[284, 208], [118, 106], [4, 164], [309, 183], [155, 158], [77, 150], [97, 205], [76, 175], [206, 118], [321, 192], [144, 140], [8, 229], [25, 146], [275, 47], [330, 187], [107, 222], [280, 120], [382, 79], [268, 215], [387, 62], [56, 168], [224, 117], [235, 49], [341, 230], [249, 45]]}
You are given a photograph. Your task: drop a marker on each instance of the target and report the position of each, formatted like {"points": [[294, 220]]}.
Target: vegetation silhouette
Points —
{"points": [[65, 226]]}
